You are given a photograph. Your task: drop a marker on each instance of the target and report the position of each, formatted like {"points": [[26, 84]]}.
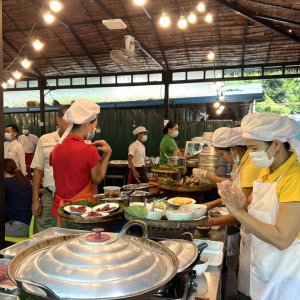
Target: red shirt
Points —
{"points": [[72, 162]]}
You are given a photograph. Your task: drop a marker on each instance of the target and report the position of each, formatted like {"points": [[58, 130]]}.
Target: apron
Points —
{"points": [[245, 245], [28, 161], [85, 194], [275, 274]]}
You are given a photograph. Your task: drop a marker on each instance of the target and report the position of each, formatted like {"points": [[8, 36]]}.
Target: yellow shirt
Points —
{"points": [[288, 187], [249, 171]]}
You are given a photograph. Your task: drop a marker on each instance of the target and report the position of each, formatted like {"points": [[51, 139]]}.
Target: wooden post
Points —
{"points": [[2, 193], [42, 84], [166, 81]]}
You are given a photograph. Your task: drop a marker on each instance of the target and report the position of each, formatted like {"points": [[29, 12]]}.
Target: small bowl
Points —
{"points": [[112, 191], [203, 231], [155, 214], [201, 266], [198, 210], [177, 215]]}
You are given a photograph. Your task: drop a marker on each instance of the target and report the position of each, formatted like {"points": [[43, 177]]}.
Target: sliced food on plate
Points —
{"points": [[94, 214], [77, 209], [106, 207]]}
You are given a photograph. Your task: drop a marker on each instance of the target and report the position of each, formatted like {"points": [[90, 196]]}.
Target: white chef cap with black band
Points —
{"points": [[80, 112]]}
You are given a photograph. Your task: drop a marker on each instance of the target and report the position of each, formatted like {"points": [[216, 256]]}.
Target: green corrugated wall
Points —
{"points": [[117, 125]]}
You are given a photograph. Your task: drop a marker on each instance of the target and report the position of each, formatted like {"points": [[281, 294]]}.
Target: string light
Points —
{"points": [[11, 81], [216, 104], [208, 18], [192, 18], [49, 18], [182, 23], [38, 45], [4, 85], [17, 74], [139, 2], [55, 6], [164, 20], [201, 6], [26, 63], [210, 55]]}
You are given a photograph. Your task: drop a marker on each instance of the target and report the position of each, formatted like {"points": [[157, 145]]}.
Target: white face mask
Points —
{"points": [[236, 158], [144, 138], [90, 136], [175, 133], [261, 159], [25, 131], [7, 136]]}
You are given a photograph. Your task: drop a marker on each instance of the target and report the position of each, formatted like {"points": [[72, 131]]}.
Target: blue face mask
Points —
{"points": [[7, 136], [90, 136]]}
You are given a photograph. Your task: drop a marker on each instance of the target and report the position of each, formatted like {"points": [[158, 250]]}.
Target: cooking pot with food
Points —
{"points": [[98, 265]]}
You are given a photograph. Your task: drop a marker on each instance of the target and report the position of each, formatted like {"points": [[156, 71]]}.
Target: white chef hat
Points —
{"points": [[80, 112], [227, 137], [139, 130], [269, 127]]}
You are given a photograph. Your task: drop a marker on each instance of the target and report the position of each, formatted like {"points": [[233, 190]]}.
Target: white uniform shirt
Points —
{"points": [[29, 142], [138, 151], [41, 156], [15, 151]]}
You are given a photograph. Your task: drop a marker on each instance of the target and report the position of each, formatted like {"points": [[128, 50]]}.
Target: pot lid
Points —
{"points": [[100, 265], [185, 251]]}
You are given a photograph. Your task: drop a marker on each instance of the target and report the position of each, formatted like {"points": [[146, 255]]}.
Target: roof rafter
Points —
{"points": [[244, 40], [245, 13]]}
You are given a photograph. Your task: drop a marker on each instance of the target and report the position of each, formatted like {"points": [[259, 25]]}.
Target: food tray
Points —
{"points": [[185, 189], [137, 186], [166, 171], [215, 258], [13, 250], [56, 231], [211, 245], [168, 229]]}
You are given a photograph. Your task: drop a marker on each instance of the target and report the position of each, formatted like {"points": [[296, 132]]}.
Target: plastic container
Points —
{"points": [[112, 191]]}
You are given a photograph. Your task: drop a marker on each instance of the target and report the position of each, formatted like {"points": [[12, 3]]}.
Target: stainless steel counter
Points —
{"points": [[210, 282]]}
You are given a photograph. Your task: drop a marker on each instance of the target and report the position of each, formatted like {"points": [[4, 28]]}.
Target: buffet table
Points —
{"points": [[209, 284]]}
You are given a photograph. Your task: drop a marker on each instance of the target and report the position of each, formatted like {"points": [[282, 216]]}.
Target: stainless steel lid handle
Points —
{"points": [[97, 233], [50, 294], [129, 224]]}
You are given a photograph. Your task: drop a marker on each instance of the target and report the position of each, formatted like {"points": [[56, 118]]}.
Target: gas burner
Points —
{"points": [[177, 289]]}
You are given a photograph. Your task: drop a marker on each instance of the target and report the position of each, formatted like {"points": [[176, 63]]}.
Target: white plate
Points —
{"points": [[221, 211], [170, 201], [112, 206], [215, 258], [212, 245], [67, 209], [103, 214]]}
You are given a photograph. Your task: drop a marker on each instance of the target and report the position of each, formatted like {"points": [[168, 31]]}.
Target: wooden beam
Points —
{"points": [[251, 16], [244, 41]]}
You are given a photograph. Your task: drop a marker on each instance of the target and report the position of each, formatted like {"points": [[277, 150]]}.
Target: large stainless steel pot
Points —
{"points": [[94, 266], [211, 161]]}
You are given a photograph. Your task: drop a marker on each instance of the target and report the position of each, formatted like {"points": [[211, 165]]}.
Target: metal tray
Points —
{"points": [[138, 186], [4, 296], [4, 288], [13, 250], [57, 231]]}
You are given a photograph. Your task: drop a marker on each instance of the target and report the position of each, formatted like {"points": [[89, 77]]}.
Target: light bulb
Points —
{"points": [[17, 74], [222, 107], [201, 6], [49, 18], [216, 104], [11, 81], [26, 63], [219, 111], [210, 55], [4, 85], [139, 2], [182, 23], [208, 18], [192, 18], [38, 45], [221, 98], [55, 6], [164, 20]]}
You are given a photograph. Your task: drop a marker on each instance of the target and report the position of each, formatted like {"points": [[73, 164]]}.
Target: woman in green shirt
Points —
{"points": [[168, 146]]}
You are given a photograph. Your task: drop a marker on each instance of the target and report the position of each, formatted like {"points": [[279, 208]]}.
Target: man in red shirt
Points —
{"points": [[77, 165]]}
